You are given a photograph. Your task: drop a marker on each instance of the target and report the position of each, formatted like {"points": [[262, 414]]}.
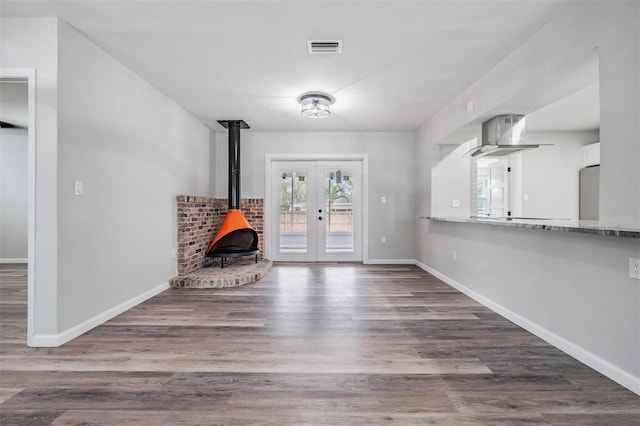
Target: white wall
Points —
{"points": [[550, 174], [13, 194], [213, 165], [575, 287], [33, 43], [391, 174], [450, 180], [135, 150]]}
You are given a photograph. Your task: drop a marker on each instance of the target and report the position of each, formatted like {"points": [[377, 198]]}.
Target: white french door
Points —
{"points": [[316, 213]]}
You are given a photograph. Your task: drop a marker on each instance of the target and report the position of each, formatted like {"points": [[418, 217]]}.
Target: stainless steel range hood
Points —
{"points": [[501, 136]]}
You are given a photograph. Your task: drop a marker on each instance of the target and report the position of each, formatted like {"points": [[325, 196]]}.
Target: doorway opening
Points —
{"points": [[17, 193]]}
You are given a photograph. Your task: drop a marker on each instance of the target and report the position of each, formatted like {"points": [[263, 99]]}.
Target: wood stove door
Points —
{"points": [[317, 213]]}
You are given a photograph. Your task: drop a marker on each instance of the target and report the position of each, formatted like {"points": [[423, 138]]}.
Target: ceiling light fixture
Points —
{"points": [[316, 104]]}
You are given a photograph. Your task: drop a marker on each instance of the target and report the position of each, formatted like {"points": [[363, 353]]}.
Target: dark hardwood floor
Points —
{"points": [[309, 344]]}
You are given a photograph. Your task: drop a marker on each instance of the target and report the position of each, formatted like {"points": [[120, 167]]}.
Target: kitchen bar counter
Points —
{"points": [[582, 226]]}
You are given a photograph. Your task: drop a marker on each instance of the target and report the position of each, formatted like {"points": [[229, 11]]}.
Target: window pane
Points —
{"points": [[339, 211], [293, 211]]}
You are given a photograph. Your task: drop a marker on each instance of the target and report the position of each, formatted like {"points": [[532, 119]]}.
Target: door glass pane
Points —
{"points": [[339, 211], [293, 211], [496, 197], [497, 175], [498, 187]]}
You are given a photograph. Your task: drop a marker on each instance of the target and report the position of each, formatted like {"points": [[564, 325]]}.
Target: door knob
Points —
{"points": [[319, 217], [319, 210]]}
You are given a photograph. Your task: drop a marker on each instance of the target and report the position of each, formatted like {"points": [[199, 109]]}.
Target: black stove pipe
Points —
{"points": [[234, 166], [234, 127]]}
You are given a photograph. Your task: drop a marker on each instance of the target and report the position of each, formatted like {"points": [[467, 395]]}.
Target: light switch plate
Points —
{"points": [[455, 203], [78, 187]]}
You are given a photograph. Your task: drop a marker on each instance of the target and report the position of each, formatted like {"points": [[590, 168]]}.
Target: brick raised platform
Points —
{"points": [[240, 272], [198, 220]]}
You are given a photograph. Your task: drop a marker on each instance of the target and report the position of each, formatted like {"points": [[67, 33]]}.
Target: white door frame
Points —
{"points": [[268, 202], [29, 74]]}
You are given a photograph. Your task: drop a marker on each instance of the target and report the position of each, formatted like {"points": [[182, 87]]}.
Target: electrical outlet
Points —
{"points": [[455, 255], [383, 240], [455, 204], [634, 268]]}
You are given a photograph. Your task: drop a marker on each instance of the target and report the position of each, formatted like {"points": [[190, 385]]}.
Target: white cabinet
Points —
{"points": [[591, 154]]}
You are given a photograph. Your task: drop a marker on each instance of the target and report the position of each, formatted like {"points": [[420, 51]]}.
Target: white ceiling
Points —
{"points": [[578, 111], [402, 60]]}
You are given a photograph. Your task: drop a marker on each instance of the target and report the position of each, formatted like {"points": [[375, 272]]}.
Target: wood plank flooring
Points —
{"points": [[310, 344]]}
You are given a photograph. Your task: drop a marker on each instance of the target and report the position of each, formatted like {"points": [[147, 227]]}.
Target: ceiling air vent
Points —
{"points": [[320, 47]]}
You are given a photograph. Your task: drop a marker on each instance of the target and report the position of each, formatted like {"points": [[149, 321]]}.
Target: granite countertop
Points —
{"points": [[581, 226]]}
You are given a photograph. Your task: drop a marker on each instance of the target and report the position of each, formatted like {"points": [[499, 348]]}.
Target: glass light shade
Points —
{"points": [[315, 105]]}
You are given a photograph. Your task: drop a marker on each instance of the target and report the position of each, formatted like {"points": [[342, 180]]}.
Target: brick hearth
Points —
{"points": [[198, 220], [240, 272]]}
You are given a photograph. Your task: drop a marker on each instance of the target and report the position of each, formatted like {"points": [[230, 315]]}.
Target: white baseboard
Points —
{"points": [[18, 260], [389, 262], [613, 372], [55, 340], [44, 341]]}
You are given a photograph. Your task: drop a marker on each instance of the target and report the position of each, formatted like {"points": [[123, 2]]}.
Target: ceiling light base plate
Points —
{"points": [[316, 104]]}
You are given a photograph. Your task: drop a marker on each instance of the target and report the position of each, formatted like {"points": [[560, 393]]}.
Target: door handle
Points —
{"points": [[319, 217]]}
